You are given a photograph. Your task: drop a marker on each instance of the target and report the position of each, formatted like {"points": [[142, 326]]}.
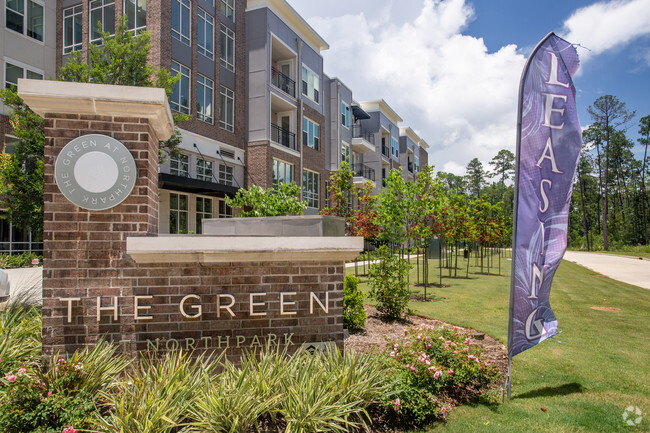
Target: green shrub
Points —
{"points": [[388, 283], [354, 316], [18, 260], [20, 337], [31, 405], [429, 362]]}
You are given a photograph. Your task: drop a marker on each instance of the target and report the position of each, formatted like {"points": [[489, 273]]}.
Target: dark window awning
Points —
{"points": [[194, 186], [359, 113]]}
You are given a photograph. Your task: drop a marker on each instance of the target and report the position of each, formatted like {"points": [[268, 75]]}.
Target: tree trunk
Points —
{"points": [[643, 207], [605, 195], [584, 212]]}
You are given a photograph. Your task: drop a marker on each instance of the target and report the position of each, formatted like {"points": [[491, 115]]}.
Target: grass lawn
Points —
{"points": [[582, 385]]}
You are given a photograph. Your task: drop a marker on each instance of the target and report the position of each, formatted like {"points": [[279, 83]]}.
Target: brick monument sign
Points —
{"points": [[106, 272]]}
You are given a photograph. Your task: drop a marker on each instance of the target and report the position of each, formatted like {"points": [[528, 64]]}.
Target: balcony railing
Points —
{"points": [[283, 136], [359, 131], [283, 82], [363, 171], [410, 167], [385, 150]]}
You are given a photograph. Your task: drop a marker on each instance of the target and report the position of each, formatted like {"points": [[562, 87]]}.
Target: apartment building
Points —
{"points": [[27, 50], [252, 79], [286, 119], [203, 42], [412, 153]]}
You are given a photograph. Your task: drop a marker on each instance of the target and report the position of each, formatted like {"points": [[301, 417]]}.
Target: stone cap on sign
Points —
{"points": [[301, 225], [214, 249], [45, 96]]}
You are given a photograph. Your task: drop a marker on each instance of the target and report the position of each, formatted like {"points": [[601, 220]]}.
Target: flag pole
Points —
{"points": [[507, 387]]}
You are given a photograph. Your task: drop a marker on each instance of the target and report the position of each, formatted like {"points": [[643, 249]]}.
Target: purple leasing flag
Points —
{"points": [[549, 140]]}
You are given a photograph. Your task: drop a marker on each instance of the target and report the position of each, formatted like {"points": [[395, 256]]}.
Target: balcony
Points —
{"points": [[362, 170], [283, 136], [283, 82], [362, 140], [385, 150], [410, 167]]}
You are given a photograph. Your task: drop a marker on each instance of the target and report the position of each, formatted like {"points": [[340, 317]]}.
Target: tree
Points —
{"points": [[120, 59], [608, 114], [503, 166], [256, 201], [475, 177], [644, 132], [341, 192]]}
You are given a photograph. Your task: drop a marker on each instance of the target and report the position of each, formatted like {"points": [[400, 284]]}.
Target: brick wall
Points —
{"points": [[84, 250]]}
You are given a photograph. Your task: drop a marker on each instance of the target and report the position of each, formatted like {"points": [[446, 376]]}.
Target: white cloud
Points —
{"points": [[445, 84], [608, 25]]}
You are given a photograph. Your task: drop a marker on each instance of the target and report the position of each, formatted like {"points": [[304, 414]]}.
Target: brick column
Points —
{"points": [[85, 251]]}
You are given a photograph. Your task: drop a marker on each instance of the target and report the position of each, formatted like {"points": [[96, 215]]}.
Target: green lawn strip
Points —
{"points": [[584, 383]]}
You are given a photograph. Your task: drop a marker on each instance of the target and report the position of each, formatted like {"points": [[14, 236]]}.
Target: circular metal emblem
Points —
{"points": [[95, 172]]}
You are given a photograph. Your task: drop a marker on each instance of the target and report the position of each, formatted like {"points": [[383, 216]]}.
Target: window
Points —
{"points": [[203, 210], [205, 43], [13, 73], [310, 133], [136, 14], [282, 172], [225, 174], [181, 20], [10, 144], [228, 8], [102, 19], [227, 48], [180, 100], [25, 17], [177, 213], [72, 29], [310, 188], [225, 211], [226, 109], [417, 164], [395, 146], [345, 114], [204, 170], [179, 165], [345, 152], [205, 89], [310, 83]]}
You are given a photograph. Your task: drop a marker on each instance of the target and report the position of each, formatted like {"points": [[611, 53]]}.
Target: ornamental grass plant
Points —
{"points": [[20, 336]]}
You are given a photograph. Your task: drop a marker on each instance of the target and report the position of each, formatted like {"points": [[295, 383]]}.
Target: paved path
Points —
{"points": [[631, 270], [26, 283]]}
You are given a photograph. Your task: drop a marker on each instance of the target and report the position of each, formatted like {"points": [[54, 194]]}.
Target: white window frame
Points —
{"points": [[182, 30], [226, 108], [345, 114], [310, 130], [227, 48], [177, 212], [179, 165], [226, 175], [204, 103], [204, 170], [103, 6], [311, 80], [228, 9], [345, 152], [73, 13], [287, 172], [311, 188], [202, 214], [136, 26], [176, 98], [206, 22], [394, 144], [26, 19], [26, 70]]}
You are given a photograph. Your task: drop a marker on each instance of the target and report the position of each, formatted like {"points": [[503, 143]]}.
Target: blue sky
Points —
{"points": [[451, 68]]}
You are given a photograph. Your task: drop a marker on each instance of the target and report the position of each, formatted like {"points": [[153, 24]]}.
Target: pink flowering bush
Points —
{"points": [[31, 403], [429, 362]]}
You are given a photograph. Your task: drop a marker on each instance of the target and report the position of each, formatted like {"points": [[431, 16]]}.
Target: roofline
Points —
{"points": [[408, 131], [382, 106], [289, 16]]}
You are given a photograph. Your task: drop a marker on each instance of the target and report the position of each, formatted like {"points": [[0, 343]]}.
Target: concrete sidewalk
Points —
{"points": [[631, 270]]}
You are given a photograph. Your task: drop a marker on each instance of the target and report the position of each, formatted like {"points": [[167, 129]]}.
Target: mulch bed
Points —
{"points": [[378, 332]]}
